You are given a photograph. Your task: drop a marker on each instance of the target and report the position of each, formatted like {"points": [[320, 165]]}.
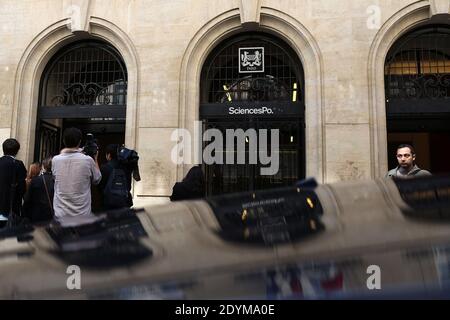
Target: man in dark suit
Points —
{"points": [[12, 180]]}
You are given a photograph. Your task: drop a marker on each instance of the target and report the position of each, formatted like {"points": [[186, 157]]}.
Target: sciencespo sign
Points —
{"points": [[243, 111]]}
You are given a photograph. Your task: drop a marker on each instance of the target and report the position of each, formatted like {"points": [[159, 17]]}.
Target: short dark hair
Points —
{"points": [[112, 150], [72, 137], [405, 145], [11, 147], [47, 164]]}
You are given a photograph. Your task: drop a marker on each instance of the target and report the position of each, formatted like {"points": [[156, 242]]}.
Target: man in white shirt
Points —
{"points": [[74, 173]]}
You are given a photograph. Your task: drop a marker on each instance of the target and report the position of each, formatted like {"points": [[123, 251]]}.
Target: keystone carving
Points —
{"points": [[78, 11], [250, 11], [439, 7]]}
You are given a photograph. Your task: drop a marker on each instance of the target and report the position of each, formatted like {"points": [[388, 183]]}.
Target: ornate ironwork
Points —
{"points": [[87, 73], [432, 86], [282, 76], [418, 67], [255, 89], [227, 178], [49, 141], [281, 80]]}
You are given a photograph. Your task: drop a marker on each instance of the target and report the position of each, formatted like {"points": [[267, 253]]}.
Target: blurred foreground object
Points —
{"points": [[306, 241]]}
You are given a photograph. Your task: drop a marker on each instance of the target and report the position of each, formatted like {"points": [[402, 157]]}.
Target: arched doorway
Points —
{"points": [[84, 85], [417, 89], [243, 75]]}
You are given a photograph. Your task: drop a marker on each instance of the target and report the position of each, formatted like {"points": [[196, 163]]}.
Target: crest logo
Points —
{"points": [[251, 60]]}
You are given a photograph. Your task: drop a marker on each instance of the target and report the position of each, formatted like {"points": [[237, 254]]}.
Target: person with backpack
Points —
{"points": [[116, 181], [12, 182]]}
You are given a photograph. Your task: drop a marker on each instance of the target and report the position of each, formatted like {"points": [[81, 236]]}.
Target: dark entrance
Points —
{"points": [[417, 80], [83, 86], [254, 81]]}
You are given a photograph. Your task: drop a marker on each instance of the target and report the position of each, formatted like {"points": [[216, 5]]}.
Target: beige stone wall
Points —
{"points": [[164, 43]]}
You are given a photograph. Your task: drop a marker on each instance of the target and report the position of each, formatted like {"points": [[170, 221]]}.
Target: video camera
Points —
{"points": [[129, 158], [91, 147]]}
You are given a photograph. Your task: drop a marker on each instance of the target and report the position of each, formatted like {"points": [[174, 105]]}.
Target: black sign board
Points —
{"points": [[251, 60]]}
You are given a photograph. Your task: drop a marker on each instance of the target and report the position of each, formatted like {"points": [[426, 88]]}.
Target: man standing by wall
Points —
{"points": [[12, 180], [74, 173], [406, 167]]}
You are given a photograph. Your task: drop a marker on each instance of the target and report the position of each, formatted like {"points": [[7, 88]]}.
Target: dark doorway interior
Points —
{"points": [[105, 132], [430, 136], [276, 84], [417, 88], [228, 178]]}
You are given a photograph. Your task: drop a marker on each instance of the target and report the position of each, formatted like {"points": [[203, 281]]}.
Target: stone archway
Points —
{"points": [[284, 27], [396, 26], [37, 55]]}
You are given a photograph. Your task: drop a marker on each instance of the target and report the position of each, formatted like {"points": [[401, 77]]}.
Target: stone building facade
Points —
{"points": [[347, 50]]}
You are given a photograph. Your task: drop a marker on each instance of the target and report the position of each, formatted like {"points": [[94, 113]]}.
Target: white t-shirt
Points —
{"points": [[74, 173]]}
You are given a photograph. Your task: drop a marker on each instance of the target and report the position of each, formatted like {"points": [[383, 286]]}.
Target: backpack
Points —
{"points": [[115, 194]]}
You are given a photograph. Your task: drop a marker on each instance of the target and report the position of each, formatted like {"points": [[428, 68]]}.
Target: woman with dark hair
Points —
{"points": [[38, 202], [192, 186]]}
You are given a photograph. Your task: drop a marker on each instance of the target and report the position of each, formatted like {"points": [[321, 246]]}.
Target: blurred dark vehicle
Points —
{"points": [[308, 241]]}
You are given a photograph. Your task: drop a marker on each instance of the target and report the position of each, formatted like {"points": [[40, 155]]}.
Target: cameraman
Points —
{"points": [[107, 170], [74, 173]]}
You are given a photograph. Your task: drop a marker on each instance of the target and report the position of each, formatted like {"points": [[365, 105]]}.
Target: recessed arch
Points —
{"points": [[34, 60], [290, 31], [402, 22]]}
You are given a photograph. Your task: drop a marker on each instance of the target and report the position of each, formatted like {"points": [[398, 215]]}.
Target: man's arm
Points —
{"points": [[21, 176]]}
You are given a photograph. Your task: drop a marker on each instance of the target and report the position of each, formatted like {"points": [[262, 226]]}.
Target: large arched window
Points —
{"points": [[87, 73], [280, 78], [243, 75], [418, 68], [83, 85], [417, 87]]}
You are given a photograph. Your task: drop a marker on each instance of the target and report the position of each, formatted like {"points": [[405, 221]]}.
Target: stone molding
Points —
{"points": [[79, 13], [32, 64], [397, 25], [302, 42], [250, 11], [439, 7]]}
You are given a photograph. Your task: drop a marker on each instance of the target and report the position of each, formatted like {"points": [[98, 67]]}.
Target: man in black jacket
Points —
{"points": [[12, 180]]}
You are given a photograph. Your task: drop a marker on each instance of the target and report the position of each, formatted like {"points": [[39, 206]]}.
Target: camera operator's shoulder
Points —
{"points": [[87, 158]]}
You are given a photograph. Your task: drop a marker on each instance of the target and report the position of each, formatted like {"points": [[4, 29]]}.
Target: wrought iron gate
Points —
{"points": [[227, 178], [49, 141]]}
